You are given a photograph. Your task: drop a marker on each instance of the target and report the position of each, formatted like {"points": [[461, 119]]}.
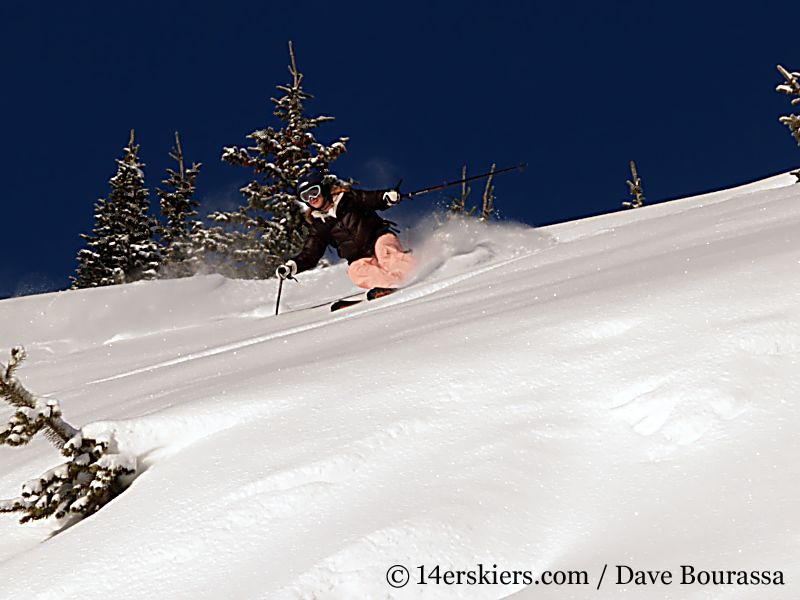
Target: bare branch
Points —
{"points": [[293, 69], [488, 196], [635, 188]]}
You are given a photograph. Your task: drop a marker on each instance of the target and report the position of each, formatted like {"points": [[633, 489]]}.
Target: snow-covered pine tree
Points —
{"points": [[635, 187], [271, 226], [121, 247], [83, 484], [182, 235], [98, 264], [791, 87]]}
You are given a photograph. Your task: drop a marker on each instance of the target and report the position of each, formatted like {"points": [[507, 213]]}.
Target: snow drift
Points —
{"points": [[620, 390]]}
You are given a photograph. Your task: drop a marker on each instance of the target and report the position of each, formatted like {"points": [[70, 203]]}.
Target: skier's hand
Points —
{"points": [[393, 196], [287, 270]]}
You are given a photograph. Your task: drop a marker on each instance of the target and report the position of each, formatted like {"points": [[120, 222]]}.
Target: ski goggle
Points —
{"points": [[311, 193]]}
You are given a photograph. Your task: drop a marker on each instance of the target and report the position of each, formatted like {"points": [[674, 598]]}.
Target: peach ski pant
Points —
{"points": [[388, 268]]}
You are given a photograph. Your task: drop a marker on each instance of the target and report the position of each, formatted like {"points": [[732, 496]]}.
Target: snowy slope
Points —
{"points": [[620, 390]]}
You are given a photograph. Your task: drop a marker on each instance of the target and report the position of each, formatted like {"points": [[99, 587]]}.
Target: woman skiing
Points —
{"points": [[346, 219]]}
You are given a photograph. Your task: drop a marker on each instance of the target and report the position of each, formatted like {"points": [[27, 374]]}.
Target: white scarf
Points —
{"points": [[331, 212]]}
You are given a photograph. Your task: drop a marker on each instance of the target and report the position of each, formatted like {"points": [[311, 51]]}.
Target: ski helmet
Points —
{"points": [[311, 185]]}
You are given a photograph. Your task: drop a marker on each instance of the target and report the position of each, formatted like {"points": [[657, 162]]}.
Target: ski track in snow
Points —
{"points": [[414, 292]]}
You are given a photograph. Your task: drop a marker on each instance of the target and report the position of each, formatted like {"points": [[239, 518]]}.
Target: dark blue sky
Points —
{"points": [[576, 89]]}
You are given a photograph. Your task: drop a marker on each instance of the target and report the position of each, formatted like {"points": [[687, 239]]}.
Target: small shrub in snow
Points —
{"points": [[83, 484], [791, 87], [635, 188], [458, 206]]}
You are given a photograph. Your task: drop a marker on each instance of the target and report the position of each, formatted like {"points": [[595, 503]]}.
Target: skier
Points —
{"points": [[345, 218]]}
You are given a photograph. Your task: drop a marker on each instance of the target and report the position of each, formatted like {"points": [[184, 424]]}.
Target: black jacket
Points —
{"points": [[352, 231]]}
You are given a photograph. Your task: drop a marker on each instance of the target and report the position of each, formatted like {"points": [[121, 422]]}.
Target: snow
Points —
{"points": [[619, 390]]}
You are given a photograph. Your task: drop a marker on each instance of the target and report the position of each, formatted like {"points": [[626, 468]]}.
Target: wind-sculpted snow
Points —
{"points": [[620, 390]]}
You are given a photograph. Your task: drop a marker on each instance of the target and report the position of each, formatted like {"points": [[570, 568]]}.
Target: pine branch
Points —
{"points": [[10, 389], [792, 85], [793, 123], [32, 415]]}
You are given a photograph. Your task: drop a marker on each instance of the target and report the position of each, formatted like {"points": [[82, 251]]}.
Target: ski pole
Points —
{"points": [[280, 289], [520, 167]]}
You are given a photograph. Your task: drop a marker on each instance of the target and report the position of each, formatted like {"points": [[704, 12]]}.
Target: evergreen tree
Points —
{"points": [[635, 188], [258, 237], [121, 247], [791, 87], [182, 236]]}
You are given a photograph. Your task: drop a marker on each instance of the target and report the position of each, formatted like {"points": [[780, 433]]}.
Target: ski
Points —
{"points": [[340, 304], [373, 294], [379, 292]]}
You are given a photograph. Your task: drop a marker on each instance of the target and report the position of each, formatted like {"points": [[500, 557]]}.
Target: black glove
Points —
{"points": [[287, 270]]}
